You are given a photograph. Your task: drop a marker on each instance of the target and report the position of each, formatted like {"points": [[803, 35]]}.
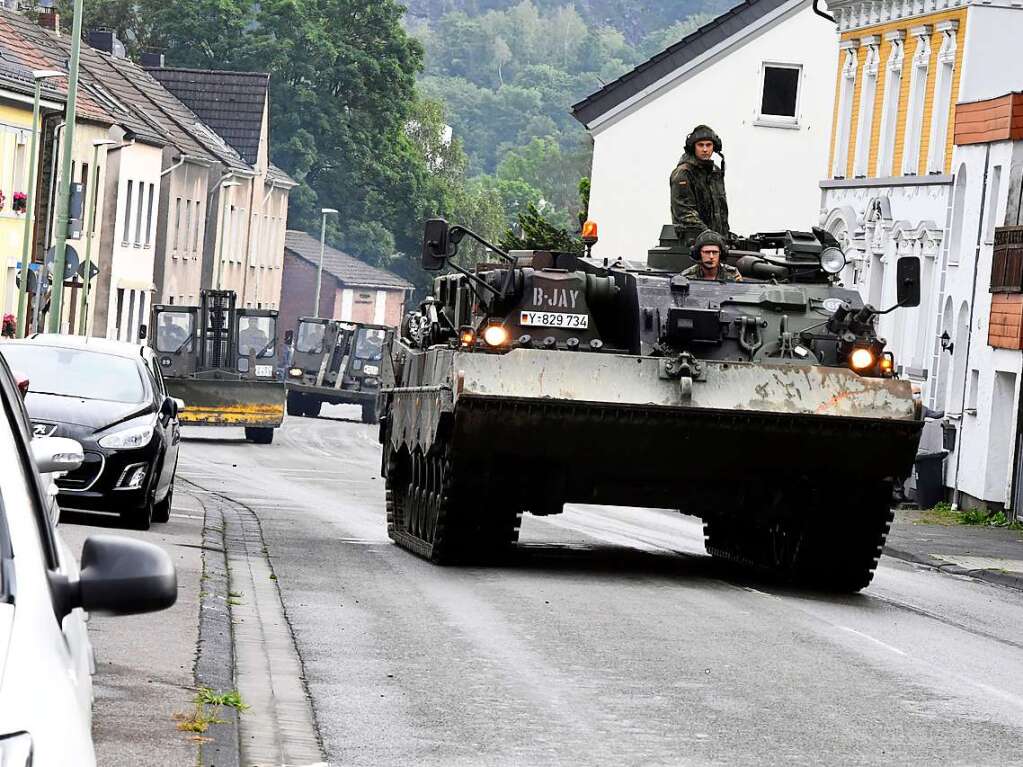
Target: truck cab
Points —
{"points": [[338, 363]]}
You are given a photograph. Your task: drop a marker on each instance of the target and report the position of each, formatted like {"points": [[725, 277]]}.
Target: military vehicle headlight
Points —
{"points": [[861, 359], [832, 260], [496, 335], [295, 372]]}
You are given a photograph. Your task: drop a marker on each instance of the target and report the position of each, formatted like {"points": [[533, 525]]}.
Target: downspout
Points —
{"points": [[821, 13], [969, 332]]}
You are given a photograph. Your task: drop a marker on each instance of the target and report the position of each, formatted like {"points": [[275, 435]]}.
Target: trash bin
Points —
{"points": [[930, 479]]}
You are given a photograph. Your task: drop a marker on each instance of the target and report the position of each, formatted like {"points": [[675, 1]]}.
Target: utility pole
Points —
{"points": [[64, 189], [89, 229], [319, 270], [30, 199]]}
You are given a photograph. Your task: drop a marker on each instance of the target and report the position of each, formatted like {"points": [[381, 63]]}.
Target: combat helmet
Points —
{"points": [[702, 133]]}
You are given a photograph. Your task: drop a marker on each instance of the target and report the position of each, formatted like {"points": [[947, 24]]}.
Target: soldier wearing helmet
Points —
{"points": [[698, 188], [709, 249]]}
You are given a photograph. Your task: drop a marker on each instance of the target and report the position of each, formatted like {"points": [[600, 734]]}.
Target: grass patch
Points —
{"points": [[942, 514], [208, 697]]}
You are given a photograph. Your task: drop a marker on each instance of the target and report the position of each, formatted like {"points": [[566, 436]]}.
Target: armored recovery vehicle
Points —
{"points": [[766, 407], [222, 362], [338, 363]]}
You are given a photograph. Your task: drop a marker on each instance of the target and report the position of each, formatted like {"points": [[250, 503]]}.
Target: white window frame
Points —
{"points": [[778, 121], [890, 107], [847, 94], [943, 81], [868, 95], [912, 136]]}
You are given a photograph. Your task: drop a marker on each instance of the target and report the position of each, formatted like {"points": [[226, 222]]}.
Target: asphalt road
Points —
{"points": [[610, 639]]}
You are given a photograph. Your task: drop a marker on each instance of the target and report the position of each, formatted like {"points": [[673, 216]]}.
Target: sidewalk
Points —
{"points": [[993, 554]]}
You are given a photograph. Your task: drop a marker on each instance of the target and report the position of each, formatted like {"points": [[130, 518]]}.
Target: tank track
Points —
{"points": [[429, 513], [832, 550]]}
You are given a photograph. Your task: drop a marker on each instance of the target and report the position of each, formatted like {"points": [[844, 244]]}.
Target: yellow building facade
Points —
{"points": [[15, 135]]}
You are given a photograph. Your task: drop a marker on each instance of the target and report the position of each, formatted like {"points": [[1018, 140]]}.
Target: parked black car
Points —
{"points": [[110, 397]]}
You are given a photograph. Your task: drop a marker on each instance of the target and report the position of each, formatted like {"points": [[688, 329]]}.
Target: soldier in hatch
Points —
{"points": [[698, 188], [709, 248]]}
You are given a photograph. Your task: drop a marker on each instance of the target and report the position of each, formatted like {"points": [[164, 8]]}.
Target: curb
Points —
{"points": [[1009, 580], [214, 666]]}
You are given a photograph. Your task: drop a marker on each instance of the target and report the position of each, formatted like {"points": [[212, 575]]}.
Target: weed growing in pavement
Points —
{"points": [[207, 710], [942, 514]]}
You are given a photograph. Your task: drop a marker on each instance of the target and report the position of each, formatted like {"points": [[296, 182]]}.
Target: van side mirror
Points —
{"points": [[289, 336], [907, 274], [142, 332], [436, 241], [54, 454]]}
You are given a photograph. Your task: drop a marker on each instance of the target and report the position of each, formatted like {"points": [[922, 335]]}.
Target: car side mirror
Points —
{"points": [[907, 274], [179, 405], [121, 576], [143, 330], [289, 336], [436, 241], [54, 454]]}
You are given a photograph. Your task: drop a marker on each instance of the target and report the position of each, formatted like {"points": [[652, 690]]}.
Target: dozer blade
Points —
{"points": [[615, 429], [229, 403]]}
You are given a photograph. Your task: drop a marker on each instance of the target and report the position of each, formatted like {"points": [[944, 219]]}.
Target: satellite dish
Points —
{"points": [[70, 260], [33, 281]]}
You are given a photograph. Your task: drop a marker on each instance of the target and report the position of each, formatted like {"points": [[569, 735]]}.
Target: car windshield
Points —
{"points": [[174, 330], [310, 337], [369, 344], [256, 336], [77, 373]]}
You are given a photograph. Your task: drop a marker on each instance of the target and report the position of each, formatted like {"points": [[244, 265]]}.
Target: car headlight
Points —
{"points": [[133, 434], [370, 370], [16, 750], [832, 260], [295, 372]]}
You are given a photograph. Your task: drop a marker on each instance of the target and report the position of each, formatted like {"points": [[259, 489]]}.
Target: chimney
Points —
{"points": [[151, 59], [49, 19], [105, 40]]}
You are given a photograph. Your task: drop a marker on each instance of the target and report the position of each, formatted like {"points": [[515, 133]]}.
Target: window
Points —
{"points": [[890, 108], [142, 313], [198, 223], [779, 97], [915, 109], [971, 393], [868, 91], [149, 215], [138, 215], [177, 224], [95, 196], [127, 214], [845, 108], [20, 162], [85, 179], [188, 223], [120, 306], [992, 204], [129, 317], [942, 98]]}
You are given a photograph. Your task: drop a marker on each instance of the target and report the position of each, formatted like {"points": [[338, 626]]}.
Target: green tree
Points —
{"points": [[536, 232]]}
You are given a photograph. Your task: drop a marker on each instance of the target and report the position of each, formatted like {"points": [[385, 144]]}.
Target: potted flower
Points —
{"points": [[3, 199], [19, 203]]}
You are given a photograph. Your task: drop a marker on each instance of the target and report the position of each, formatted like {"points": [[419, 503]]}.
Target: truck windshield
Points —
{"points": [[256, 336], [369, 344], [174, 330], [310, 337]]}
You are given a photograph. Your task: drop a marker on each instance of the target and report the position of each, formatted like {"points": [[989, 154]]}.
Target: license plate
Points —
{"points": [[264, 371], [555, 320]]}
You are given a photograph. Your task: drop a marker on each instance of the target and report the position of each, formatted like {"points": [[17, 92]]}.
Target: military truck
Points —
{"points": [[222, 361], [338, 363], [768, 407]]}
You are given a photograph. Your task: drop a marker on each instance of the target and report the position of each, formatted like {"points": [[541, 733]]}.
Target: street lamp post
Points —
{"points": [[319, 270], [86, 276], [64, 190], [223, 225], [30, 198]]}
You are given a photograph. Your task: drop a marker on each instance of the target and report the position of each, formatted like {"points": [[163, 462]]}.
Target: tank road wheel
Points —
{"points": [[294, 403], [259, 435], [428, 513]]}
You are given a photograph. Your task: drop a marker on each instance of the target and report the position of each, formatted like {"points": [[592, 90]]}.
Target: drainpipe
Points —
{"points": [[821, 13], [969, 331]]}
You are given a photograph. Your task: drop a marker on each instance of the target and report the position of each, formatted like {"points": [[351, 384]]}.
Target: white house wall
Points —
{"points": [[772, 172], [991, 61]]}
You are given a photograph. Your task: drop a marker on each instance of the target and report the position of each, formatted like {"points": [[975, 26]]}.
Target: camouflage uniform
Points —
{"points": [[698, 191], [726, 272]]}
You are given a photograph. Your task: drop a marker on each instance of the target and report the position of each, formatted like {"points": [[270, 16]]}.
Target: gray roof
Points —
{"points": [[232, 103], [348, 269], [673, 58]]}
